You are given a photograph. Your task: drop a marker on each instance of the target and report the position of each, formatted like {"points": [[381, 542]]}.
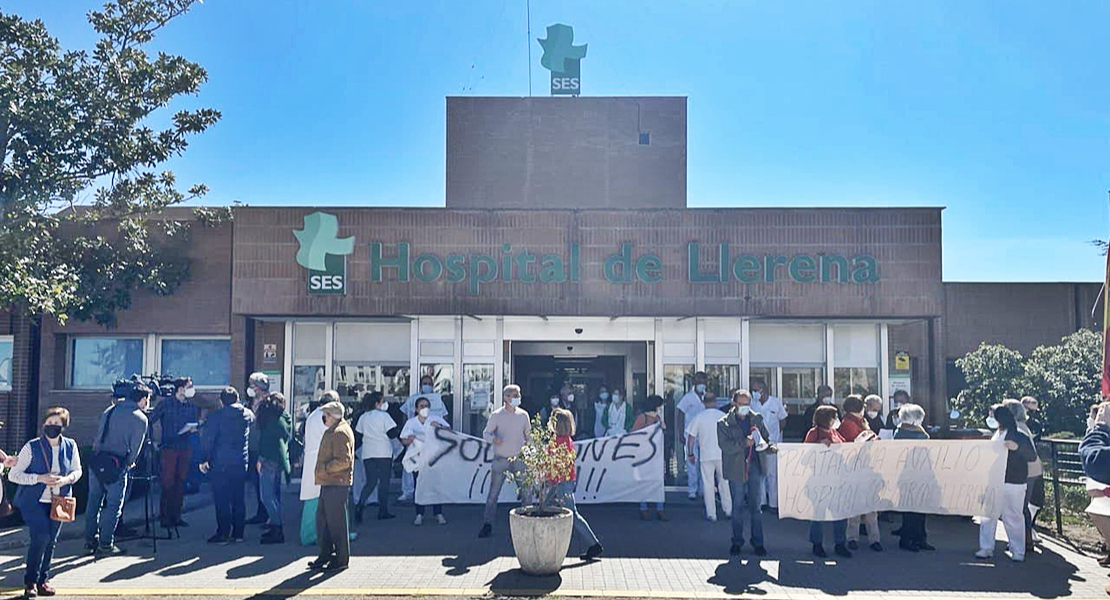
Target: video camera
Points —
{"points": [[159, 385]]}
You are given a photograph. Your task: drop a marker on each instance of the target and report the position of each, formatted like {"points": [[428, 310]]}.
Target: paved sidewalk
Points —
{"points": [[685, 558]]}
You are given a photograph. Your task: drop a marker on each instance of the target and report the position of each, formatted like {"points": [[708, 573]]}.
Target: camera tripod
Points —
{"points": [[150, 476]]}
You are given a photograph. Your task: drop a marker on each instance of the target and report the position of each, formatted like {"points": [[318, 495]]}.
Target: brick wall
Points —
{"points": [[566, 152]]}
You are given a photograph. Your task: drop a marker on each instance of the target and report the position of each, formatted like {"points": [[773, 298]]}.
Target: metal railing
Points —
{"points": [[1064, 468]]}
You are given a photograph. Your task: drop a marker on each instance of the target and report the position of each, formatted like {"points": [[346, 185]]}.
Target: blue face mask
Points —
{"points": [[700, 388], [603, 395], [425, 389]]}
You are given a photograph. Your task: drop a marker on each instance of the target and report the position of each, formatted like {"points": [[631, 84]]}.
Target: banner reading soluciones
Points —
{"points": [[398, 262]]}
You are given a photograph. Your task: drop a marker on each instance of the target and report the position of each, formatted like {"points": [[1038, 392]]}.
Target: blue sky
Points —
{"points": [[999, 111]]}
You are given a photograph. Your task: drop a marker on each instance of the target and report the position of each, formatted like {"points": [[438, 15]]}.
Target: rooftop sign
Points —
{"points": [[563, 59]]}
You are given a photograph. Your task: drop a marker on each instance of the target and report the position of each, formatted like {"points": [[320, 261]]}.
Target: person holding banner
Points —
{"points": [[742, 438], [507, 429], [562, 426], [914, 536], [418, 428], [649, 417], [855, 429], [1021, 452], [824, 398], [874, 413], [826, 424], [619, 418]]}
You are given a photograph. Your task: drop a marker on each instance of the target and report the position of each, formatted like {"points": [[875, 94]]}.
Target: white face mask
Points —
{"points": [[700, 388], [744, 411], [554, 402], [992, 422], [617, 398], [871, 414], [514, 401], [827, 400], [604, 396], [424, 412], [756, 396], [835, 424], [1091, 423], [384, 407], [250, 392], [426, 389], [570, 398], [190, 392]]}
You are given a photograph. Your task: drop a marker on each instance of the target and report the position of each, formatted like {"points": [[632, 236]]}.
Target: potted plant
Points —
{"points": [[541, 529]]}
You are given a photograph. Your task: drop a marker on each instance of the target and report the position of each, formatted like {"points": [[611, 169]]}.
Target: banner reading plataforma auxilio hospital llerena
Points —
{"points": [[455, 469], [956, 477]]}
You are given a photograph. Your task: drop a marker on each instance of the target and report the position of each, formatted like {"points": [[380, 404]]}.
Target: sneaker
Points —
{"points": [[1016, 558], [404, 499], [691, 497], [853, 545], [711, 518], [419, 520], [593, 552], [30, 592], [219, 540], [112, 550], [318, 564], [819, 551], [927, 546], [386, 517], [760, 551], [1102, 562], [45, 589], [441, 520], [877, 547], [842, 551], [333, 568], [92, 545], [485, 531], [274, 536], [984, 554], [734, 550], [908, 545], [258, 519], [238, 539]]}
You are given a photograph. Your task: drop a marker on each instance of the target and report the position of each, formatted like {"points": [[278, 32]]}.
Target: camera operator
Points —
{"points": [[119, 439], [179, 419]]}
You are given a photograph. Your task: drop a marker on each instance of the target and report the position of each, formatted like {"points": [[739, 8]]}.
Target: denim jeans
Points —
{"points": [[747, 500], [229, 495], [104, 509], [44, 536], [563, 495], [658, 505], [270, 486], [497, 472], [817, 532]]}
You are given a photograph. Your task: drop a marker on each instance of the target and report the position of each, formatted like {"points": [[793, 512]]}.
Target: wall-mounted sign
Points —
{"points": [[269, 353], [902, 361], [324, 254], [563, 59]]}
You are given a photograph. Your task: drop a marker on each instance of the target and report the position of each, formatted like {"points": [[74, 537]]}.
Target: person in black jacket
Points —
{"points": [[874, 414], [1020, 452], [225, 448], [1094, 451], [824, 398]]}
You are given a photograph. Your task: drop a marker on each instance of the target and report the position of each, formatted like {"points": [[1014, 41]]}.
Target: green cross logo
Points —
{"points": [[563, 59], [324, 253]]}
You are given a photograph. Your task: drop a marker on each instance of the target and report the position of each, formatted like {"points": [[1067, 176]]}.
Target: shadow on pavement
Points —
{"points": [[516, 583], [741, 576]]}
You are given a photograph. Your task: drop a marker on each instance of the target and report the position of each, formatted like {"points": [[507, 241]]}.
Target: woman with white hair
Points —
{"points": [[914, 536], [1019, 453], [1034, 487]]}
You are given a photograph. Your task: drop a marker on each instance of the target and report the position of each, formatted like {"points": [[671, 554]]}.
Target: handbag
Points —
{"points": [[63, 509], [108, 467]]}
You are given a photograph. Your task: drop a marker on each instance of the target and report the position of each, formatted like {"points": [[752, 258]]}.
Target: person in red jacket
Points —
{"points": [[825, 426], [854, 428], [561, 425]]}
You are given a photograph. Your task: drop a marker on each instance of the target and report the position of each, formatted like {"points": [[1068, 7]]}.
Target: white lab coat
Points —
{"points": [[436, 406], [773, 411], [314, 429]]}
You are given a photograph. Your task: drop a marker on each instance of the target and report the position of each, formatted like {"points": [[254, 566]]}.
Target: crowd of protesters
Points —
{"points": [[729, 444]]}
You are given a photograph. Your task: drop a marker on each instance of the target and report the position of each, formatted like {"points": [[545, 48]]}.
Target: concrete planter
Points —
{"points": [[541, 543]]}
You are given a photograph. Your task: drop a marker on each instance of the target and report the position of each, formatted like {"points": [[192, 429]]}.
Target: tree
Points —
{"points": [[1065, 378], [80, 190], [993, 373]]}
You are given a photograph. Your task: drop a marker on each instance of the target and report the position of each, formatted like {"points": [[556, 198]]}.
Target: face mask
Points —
{"points": [[744, 411], [1091, 423], [570, 398], [756, 396], [425, 389], [992, 422], [617, 398], [554, 402], [700, 388], [424, 412], [872, 414], [190, 392], [835, 424], [52, 431], [250, 392], [384, 407], [514, 401], [603, 395], [650, 413], [827, 400]]}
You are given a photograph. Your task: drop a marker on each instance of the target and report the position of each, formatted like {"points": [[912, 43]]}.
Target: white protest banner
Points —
{"points": [[956, 477], [455, 469]]}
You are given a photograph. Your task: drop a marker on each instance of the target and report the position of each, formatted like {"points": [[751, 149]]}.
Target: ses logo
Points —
{"points": [[324, 253], [563, 59]]}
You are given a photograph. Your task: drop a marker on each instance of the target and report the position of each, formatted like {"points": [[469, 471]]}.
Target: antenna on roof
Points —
{"points": [[528, 6]]}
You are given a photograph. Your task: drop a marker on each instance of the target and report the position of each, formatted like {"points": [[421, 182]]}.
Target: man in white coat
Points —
{"points": [[437, 409], [774, 416], [687, 409], [314, 429]]}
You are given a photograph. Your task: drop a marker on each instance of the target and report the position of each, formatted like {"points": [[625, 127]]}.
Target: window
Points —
{"points": [[723, 380], [96, 363], [677, 380], [478, 397], [207, 362], [799, 385], [353, 380], [6, 345], [855, 380]]}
